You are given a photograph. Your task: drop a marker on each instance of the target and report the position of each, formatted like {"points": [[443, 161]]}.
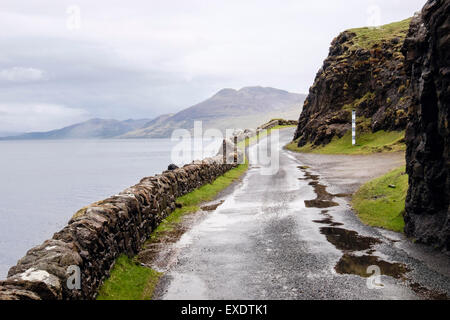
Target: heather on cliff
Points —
{"points": [[364, 72]]}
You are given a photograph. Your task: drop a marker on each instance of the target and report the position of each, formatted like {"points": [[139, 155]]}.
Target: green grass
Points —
{"points": [[191, 201], [262, 134], [380, 141], [366, 37], [378, 205], [279, 127], [129, 281]]}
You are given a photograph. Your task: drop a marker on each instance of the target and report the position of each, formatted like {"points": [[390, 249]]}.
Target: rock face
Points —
{"points": [[427, 51], [97, 234], [364, 71]]}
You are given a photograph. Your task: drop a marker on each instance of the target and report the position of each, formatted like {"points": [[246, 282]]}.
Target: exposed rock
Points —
{"points": [[172, 167], [427, 51], [365, 75]]}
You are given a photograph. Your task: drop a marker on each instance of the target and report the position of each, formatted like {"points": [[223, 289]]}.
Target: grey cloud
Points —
{"points": [[146, 58], [21, 74]]}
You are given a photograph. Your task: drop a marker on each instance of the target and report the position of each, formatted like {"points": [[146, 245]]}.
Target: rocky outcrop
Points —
{"points": [[427, 51], [97, 234], [364, 71]]}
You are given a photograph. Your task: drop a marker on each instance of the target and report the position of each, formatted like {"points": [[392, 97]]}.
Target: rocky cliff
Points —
{"points": [[364, 71], [427, 51]]}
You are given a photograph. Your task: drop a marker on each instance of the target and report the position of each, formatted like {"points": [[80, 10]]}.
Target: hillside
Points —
{"points": [[228, 109], [94, 128], [364, 72]]}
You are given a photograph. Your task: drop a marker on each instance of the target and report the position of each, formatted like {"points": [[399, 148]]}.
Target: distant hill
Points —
{"points": [[228, 109], [248, 107], [94, 128], [9, 133]]}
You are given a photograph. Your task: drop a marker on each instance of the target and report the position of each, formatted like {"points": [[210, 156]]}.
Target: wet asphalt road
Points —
{"points": [[266, 242]]}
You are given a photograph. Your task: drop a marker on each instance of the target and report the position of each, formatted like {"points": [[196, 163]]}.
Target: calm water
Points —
{"points": [[43, 183]]}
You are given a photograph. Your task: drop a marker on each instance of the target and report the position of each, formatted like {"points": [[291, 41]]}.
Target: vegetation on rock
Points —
{"points": [[363, 72], [367, 37], [367, 142]]}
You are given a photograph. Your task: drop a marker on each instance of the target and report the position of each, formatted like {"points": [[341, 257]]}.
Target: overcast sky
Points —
{"points": [[66, 61]]}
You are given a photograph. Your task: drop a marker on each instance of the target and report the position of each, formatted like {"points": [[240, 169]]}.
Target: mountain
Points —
{"points": [[364, 71], [9, 133], [228, 109], [94, 128], [148, 127]]}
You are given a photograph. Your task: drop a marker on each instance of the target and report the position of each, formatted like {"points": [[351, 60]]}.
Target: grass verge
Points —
{"points": [[191, 201], [131, 281], [380, 141], [251, 140], [379, 205]]}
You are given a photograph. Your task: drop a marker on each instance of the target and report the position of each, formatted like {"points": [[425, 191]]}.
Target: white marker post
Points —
{"points": [[353, 127]]}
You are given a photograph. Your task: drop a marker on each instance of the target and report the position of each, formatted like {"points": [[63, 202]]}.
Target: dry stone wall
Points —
{"points": [[97, 234]]}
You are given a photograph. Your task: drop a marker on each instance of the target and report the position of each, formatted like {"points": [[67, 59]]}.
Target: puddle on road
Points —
{"points": [[351, 264], [323, 197], [328, 221], [350, 243], [212, 207], [348, 240], [317, 203], [428, 293], [309, 176]]}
